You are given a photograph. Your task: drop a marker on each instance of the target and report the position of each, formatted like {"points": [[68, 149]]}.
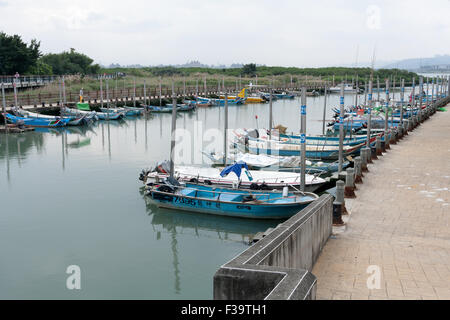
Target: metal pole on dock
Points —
{"points": [[4, 107], [174, 127], [428, 92], [341, 129], [303, 140], [437, 88], [402, 102], [413, 100], [378, 89], [101, 91], [225, 131], [60, 93], [270, 111], [196, 93], [432, 90], [369, 112], [204, 85], [107, 94], [419, 111], [15, 93], [160, 92], [134, 92], [145, 95], [448, 87], [324, 109], [64, 91], [386, 116], [365, 92]]}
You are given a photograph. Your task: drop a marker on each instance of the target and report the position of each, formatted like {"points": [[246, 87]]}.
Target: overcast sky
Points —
{"points": [[278, 32]]}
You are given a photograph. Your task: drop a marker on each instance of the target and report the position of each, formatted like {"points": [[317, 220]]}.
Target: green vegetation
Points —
{"points": [[70, 62], [266, 73], [16, 55]]}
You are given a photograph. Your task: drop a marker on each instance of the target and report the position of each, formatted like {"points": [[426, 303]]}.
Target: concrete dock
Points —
{"points": [[398, 224]]}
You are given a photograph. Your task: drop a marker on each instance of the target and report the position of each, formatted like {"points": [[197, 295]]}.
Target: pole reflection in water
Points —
{"points": [[176, 269], [103, 137], [109, 141], [173, 223], [145, 124], [63, 153]]}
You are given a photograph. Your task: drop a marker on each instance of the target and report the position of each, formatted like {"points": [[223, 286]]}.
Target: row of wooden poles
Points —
{"points": [[143, 91]]}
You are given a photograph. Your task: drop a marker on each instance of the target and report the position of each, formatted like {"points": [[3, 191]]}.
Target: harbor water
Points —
{"points": [[71, 197]]}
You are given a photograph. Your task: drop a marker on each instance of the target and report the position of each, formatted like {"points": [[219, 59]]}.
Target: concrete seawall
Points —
{"points": [[278, 266]]}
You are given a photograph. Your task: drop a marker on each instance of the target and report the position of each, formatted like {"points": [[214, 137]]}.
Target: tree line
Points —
{"points": [[18, 56]]}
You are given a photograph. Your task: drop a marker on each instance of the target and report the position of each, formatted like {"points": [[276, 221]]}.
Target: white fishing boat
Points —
{"points": [[347, 89], [252, 179]]}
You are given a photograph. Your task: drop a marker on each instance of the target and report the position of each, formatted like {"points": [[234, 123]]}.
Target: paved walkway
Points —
{"points": [[398, 222]]}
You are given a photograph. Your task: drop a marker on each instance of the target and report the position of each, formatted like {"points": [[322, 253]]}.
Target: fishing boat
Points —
{"points": [[75, 120], [183, 107], [233, 202], [89, 116], [262, 161], [127, 111], [198, 103], [248, 98], [242, 136], [211, 176], [168, 108], [221, 102], [284, 95], [84, 107], [36, 122], [337, 89], [324, 152]]}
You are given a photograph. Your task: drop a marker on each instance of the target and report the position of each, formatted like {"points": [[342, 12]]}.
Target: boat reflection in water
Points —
{"points": [[176, 223]]}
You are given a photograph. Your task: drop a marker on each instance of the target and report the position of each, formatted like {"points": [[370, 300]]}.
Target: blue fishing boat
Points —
{"points": [[255, 204], [127, 111], [284, 95], [74, 120], [221, 102], [168, 108], [36, 122], [230, 202], [312, 151], [88, 116]]}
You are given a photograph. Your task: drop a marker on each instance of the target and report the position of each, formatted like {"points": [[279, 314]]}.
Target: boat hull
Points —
{"points": [[240, 210]]}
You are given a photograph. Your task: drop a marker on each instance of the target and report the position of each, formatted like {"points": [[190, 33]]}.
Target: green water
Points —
{"points": [[72, 197]]}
